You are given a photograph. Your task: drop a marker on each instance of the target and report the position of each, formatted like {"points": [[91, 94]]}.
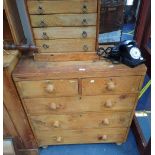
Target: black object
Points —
{"points": [[126, 52]]}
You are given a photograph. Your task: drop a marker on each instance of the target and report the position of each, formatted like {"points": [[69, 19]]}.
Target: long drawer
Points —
{"points": [[110, 85], [80, 120], [55, 20], [63, 6], [81, 136], [48, 88], [123, 102], [64, 32], [66, 45]]}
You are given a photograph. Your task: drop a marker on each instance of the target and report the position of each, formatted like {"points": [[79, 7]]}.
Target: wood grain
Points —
{"points": [[68, 33], [65, 105], [54, 6], [54, 20]]}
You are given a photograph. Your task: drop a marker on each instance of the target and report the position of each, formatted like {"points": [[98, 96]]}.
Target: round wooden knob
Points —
{"points": [[59, 139], [53, 106], [104, 137], [108, 104], [56, 124], [105, 121], [50, 88], [110, 85]]}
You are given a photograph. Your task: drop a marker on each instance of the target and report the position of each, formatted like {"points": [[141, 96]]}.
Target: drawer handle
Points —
{"points": [[104, 137], [53, 106], [84, 22], [45, 46], [40, 10], [59, 139], [84, 8], [84, 34], [106, 121], [108, 104], [111, 86], [42, 24], [44, 36], [56, 124], [50, 88], [85, 48]]}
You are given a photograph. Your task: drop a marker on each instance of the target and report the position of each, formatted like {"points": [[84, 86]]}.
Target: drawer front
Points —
{"points": [[97, 86], [81, 136], [63, 20], [81, 120], [68, 32], [48, 88], [63, 6], [66, 45], [83, 104]]}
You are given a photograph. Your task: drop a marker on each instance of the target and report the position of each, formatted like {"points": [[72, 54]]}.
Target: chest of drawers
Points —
{"points": [[78, 102], [64, 30]]}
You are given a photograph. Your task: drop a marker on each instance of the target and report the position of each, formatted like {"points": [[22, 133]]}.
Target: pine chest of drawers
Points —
{"points": [[64, 30], [78, 102]]}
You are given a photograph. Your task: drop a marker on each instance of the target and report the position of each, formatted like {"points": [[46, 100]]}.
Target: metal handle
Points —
{"points": [[84, 34], [85, 48], [44, 36], [84, 8], [40, 10], [42, 24], [84, 22], [45, 46]]}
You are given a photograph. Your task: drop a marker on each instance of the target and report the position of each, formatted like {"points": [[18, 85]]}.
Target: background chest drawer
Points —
{"points": [[68, 32], [66, 45], [63, 6], [84, 104], [48, 88], [96, 86], [54, 20], [81, 136], [81, 120]]}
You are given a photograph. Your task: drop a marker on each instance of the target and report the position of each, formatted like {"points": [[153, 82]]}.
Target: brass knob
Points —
{"points": [[84, 22], [44, 36], [84, 8], [84, 34], [53, 106], [85, 48], [105, 121], [59, 139], [45, 46], [50, 88], [108, 104], [42, 24], [56, 124], [104, 137], [40, 10], [111, 86]]}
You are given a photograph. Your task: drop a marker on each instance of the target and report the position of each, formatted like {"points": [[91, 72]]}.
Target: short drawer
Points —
{"points": [[48, 88], [68, 32], [55, 20], [61, 105], [105, 135], [97, 86], [81, 120], [63, 6], [66, 45]]}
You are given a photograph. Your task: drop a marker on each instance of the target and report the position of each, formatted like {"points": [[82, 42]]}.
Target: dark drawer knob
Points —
{"points": [[84, 34], [84, 22], [40, 10], [42, 24], [44, 36], [85, 48], [45, 46], [84, 8]]}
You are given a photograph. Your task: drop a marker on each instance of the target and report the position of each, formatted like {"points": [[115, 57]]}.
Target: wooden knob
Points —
{"points": [[108, 104], [53, 106], [105, 121], [50, 88], [56, 124], [104, 137], [110, 86], [59, 139]]}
